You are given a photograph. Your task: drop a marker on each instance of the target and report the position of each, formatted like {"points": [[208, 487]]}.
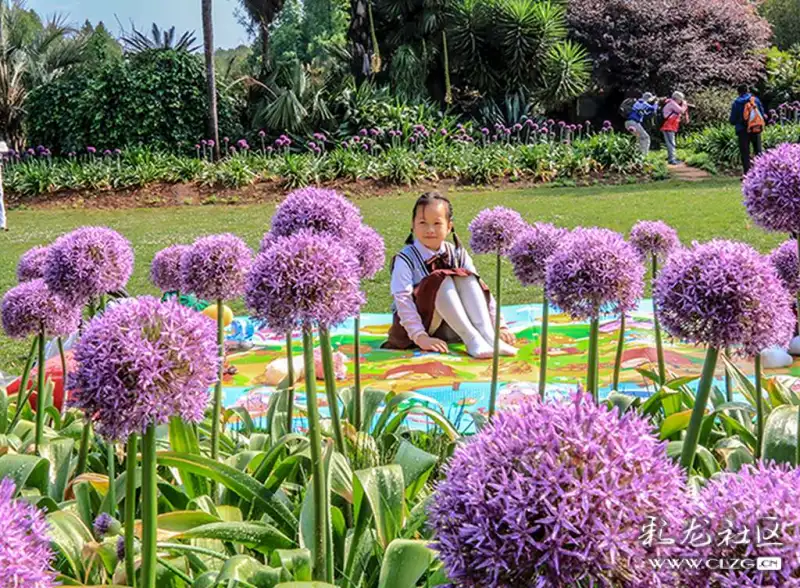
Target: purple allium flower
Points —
{"points": [[494, 230], [32, 152], [25, 554], [517, 127], [370, 251], [165, 271], [304, 279], [105, 524], [319, 136], [204, 142], [484, 130], [595, 270], [772, 189], [117, 151], [107, 152], [607, 123], [121, 547], [318, 209], [531, 250], [356, 139], [215, 267], [784, 260], [443, 132], [311, 145], [91, 149], [31, 264], [270, 149], [31, 306], [211, 142], [363, 132], [757, 500], [723, 294], [142, 362], [262, 134], [412, 140], [654, 238], [88, 262], [555, 494], [197, 146]]}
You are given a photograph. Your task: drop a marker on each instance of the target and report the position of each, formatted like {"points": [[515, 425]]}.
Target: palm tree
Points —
{"points": [[29, 59], [160, 39], [263, 13], [208, 40]]}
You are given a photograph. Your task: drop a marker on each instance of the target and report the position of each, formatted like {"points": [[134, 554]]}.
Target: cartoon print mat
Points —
{"points": [[460, 383]]}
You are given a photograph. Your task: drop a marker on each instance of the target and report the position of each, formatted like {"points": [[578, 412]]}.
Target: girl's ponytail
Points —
{"points": [[456, 240], [410, 238]]}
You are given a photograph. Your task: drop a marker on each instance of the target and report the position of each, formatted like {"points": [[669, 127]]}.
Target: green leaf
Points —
{"points": [[417, 466], [384, 490], [445, 425], [244, 415], [243, 568], [259, 536], [3, 410], [622, 401], [675, 423], [69, 535], [27, 471], [394, 402], [182, 521], [245, 486], [404, 563], [305, 585], [182, 439], [295, 561], [780, 435], [59, 453]]}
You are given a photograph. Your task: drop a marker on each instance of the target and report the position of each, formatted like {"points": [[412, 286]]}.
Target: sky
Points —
{"points": [[183, 14]]}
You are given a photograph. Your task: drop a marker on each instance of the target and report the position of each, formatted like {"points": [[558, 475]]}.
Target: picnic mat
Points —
{"points": [[458, 383]]}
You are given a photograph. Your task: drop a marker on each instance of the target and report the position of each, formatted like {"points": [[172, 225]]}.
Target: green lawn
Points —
{"points": [[698, 211]]}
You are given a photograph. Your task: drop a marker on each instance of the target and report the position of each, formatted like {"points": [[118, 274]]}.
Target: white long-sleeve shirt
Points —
{"points": [[402, 287]]}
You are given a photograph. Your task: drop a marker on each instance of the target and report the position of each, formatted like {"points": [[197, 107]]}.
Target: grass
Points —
{"points": [[699, 211]]}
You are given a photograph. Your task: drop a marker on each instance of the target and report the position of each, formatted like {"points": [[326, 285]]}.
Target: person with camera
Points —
{"points": [[675, 110]]}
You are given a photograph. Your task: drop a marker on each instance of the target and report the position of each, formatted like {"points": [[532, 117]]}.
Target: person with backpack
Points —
{"points": [[675, 110], [635, 111], [747, 116]]}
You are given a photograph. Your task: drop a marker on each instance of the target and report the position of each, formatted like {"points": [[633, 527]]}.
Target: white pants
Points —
{"points": [[638, 130], [3, 220]]}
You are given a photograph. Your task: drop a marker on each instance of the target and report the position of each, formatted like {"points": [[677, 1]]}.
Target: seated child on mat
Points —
{"points": [[438, 296]]}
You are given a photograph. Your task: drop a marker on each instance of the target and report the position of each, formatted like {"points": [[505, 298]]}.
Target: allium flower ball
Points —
{"points": [[772, 189], [531, 250], [654, 238], [724, 294], [31, 264], [25, 554], [370, 251], [757, 501], [105, 524], [31, 306], [88, 262], [142, 362], [784, 260], [165, 271], [318, 209], [216, 267], [494, 230], [594, 271], [555, 494], [305, 279]]}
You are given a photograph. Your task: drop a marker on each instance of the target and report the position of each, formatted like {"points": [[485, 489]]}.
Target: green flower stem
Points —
{"points": [[759, 407], [112, 490], [218, 388], [318, 481], [662, 368], [130, 508], [40, 395], [330, 388], [23, 393], [60, 344], [543, 347], [620, 348], [357, 398], [83, 452], [496, 354], [149, 507], [700, 402], [591, 376], [728, 381], [290, 389]]}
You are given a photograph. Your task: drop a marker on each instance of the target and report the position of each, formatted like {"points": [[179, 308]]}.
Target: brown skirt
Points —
{"points": [[425, 298]]}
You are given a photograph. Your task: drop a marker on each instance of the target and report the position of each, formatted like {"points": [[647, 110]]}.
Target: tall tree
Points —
{"points": [[263, 13], [208, 40]]}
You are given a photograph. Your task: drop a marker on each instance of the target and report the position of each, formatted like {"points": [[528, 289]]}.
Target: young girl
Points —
{"points": [[438, 296]]}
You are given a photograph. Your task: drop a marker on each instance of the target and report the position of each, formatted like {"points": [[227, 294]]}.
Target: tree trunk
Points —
{"points": [[265, 63], [358, 34], [208, 40]]}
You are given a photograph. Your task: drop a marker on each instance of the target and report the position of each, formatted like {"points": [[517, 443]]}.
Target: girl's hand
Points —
{"points": [[507, 336], [428, 343]]}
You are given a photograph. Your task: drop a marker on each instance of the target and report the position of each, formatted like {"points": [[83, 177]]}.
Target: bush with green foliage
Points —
{"points": [[721, 144], [784, 16], [782, 83], [155, 98], [710, 106]]}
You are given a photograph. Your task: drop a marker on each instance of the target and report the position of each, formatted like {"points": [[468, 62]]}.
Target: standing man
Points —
{"points": [[639, 110], [747, 116], [3, 220], [675, 110]]}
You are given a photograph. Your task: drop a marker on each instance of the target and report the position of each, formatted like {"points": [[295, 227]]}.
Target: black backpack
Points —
{"points": [[626, 107]]}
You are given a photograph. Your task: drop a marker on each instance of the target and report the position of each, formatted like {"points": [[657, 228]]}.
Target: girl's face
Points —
{"points": [[431, 225]]}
